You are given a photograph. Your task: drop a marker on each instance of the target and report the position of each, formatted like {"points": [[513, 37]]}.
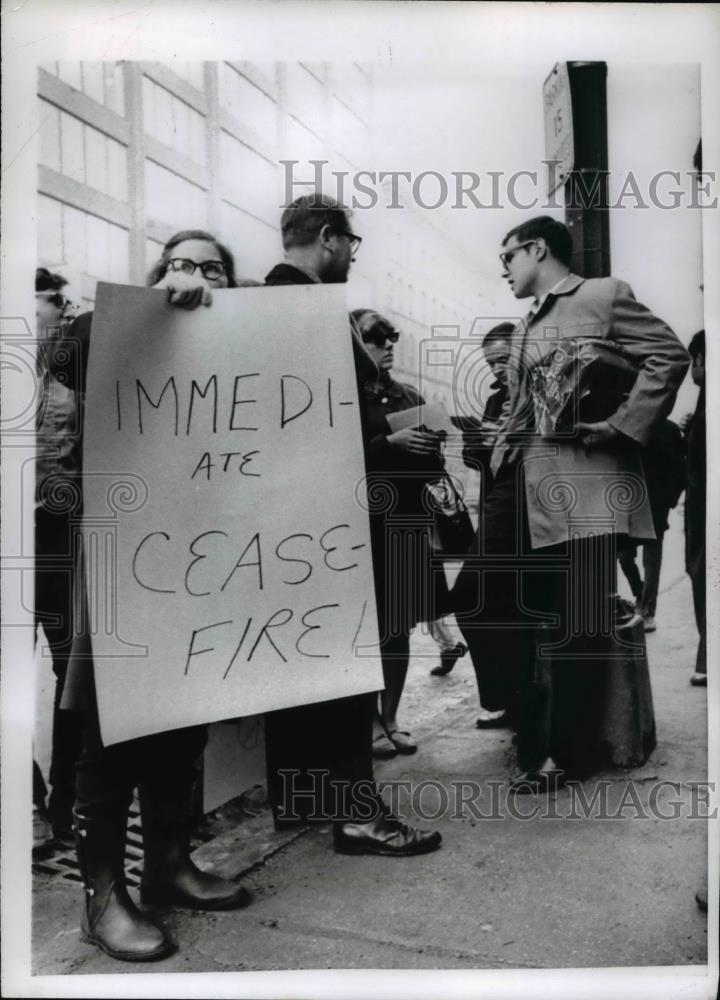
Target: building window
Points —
{"points": [[303, 146], [350, 134], [173, 122], [352, 85], [255, 245], [171, 199], [248, 180], [82, 242], [192, 72], [50, 241], [306, 97], [249, 105], [81, 152], [102, 82]]}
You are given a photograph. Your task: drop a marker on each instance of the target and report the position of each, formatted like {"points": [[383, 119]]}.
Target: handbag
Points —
{"points": [[452, 531]]}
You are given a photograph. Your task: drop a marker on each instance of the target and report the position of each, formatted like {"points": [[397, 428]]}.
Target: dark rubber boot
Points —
{"points": [[170, 877], [110, 918]]}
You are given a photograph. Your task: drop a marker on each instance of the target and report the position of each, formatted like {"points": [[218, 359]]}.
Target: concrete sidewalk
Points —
{"points": [[504, 892]]}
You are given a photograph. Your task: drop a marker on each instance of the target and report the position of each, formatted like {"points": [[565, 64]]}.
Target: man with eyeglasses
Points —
{"points": [[330, 738], [559, 495], [318, 243]]}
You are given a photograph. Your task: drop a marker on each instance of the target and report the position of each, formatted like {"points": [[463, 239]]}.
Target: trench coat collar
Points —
{"points": [[565, 286]]}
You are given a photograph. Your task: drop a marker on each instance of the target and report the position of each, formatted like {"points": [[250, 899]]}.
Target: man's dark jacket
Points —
{"points": [[332, 737]]}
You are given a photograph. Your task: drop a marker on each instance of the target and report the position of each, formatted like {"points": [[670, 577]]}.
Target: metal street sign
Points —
{"points": [[559, 142]]}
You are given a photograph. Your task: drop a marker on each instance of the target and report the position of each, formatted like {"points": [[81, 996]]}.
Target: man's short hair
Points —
{"points": [[696, 347], [556, 235], [303, 219], [503, 331]]}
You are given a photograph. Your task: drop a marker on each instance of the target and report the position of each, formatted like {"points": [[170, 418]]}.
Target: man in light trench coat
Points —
{"points": [[545, 567]]}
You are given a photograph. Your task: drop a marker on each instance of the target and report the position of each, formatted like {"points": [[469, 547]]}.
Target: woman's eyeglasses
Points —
{"points": [[211, 269]]}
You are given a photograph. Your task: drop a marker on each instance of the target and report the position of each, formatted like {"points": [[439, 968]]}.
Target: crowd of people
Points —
{"points": [[541, 495]]}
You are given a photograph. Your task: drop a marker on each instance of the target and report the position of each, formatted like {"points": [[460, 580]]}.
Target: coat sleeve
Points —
{"points": [[70, 363], [662, 362]]}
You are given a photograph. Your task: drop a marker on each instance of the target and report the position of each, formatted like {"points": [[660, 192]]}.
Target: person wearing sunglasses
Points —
{"points": [[163, 766], [558, 496], [399, 465]]}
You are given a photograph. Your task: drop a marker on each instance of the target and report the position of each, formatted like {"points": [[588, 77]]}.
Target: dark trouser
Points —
{"points": [[519, 608], [39, 787], [497, 600], [645, 592], [319, 761], [697, 579], [164, 763], [54, 611], [496, 680]]}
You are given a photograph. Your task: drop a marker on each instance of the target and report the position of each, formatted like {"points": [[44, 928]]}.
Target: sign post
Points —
{"points": [[576, 148], [559, 141]]}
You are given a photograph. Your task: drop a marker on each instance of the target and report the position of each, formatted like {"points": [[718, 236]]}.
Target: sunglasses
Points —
{"points": [[56, 299], [380, 337], [506, 258]]}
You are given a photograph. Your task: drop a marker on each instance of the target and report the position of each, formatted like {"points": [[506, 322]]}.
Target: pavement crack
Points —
{"points": [[479, 959]]}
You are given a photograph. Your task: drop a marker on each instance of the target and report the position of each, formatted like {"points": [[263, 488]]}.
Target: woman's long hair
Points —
{"points": [[160, 269], [366, 320]]}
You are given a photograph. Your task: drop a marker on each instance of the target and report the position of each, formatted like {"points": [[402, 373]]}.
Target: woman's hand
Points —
{"points": [[415, 442], [186, 291]]}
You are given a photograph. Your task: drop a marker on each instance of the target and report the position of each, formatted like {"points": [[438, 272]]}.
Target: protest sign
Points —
{"points": [[226, 535]]}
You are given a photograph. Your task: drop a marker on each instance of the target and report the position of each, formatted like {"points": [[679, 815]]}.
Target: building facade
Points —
{"points": [[131, 152]]}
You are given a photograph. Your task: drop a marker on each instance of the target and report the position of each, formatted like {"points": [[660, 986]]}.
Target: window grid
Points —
{"points": [[219, 165]]}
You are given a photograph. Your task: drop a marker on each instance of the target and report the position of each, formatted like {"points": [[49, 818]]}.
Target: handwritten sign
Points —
{"points": [[226, 533]]}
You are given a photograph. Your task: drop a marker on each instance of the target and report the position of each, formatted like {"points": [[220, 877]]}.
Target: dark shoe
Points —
{"points": [[448, 659], [493, 723], [537, 782], [170, 877], [649, 623], [110, 919], [385, 836], [402, 742], [699, 680], [701, 898]]}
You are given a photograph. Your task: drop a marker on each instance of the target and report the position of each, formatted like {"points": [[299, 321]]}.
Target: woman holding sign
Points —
{"points": [[399, 464], [164, 766]]}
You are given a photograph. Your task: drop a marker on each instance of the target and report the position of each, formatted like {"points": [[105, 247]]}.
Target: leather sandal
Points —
{"points": [[402, 742], [383, 748]]}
